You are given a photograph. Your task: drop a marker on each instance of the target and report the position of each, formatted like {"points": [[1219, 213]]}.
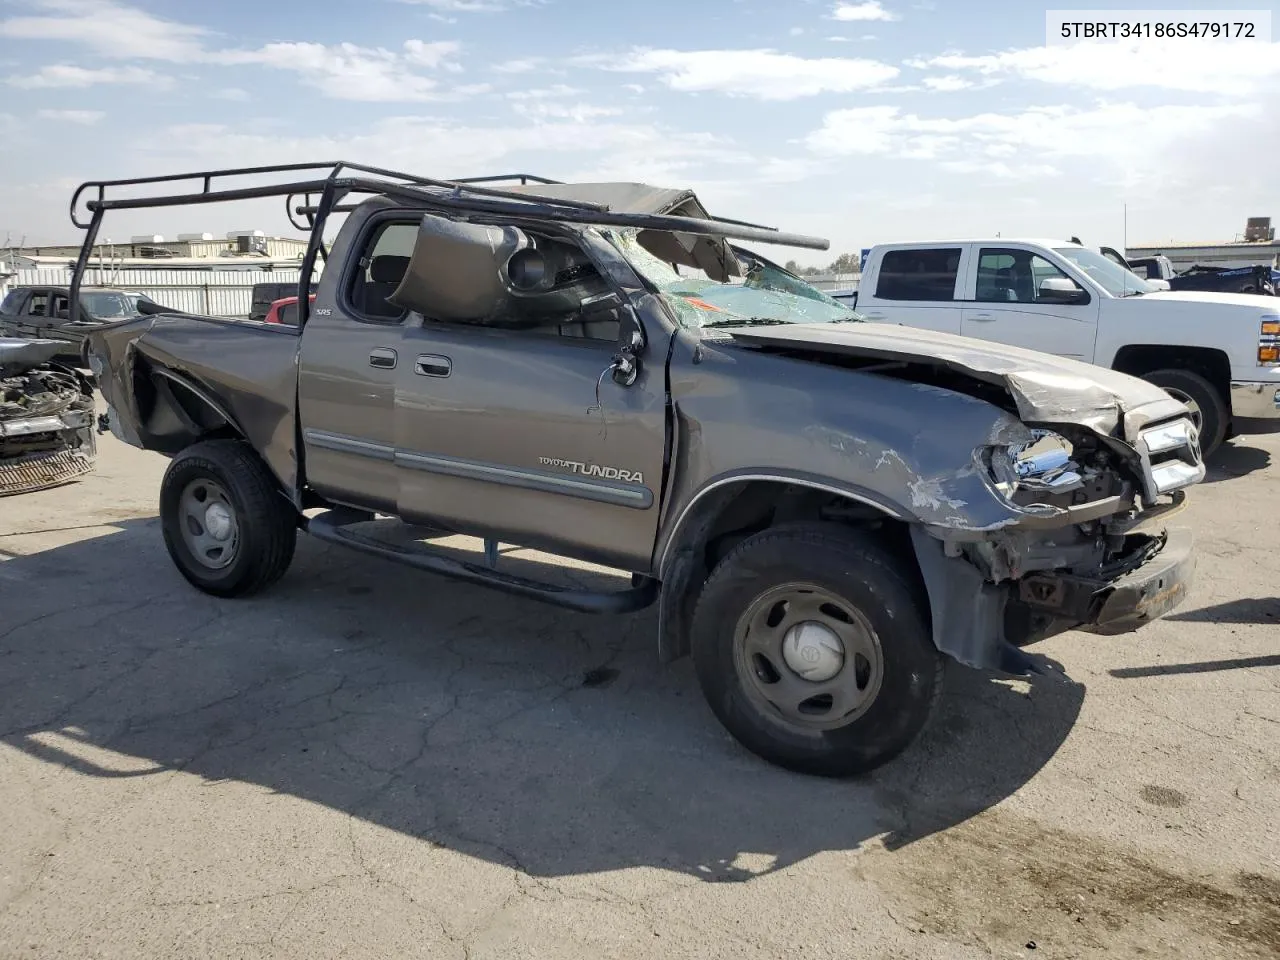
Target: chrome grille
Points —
{"points": [[1171, 457], [40, 471]]}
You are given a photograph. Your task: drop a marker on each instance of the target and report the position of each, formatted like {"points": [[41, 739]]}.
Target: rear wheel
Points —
{"points": [[812, 647], [226, 526], [1209, 409]]}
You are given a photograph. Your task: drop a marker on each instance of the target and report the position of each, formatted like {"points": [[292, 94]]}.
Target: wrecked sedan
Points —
{"points": [[47, 433], [823, 509]]}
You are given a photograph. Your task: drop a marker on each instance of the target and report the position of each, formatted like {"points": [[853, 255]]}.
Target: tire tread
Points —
{"points": [[272, 520]]}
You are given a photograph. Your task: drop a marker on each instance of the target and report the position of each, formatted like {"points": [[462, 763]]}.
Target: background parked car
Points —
{"points": [[285, 310], [266, 294], [45, 313]]}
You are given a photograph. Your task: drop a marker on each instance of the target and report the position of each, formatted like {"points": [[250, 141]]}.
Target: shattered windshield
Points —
{"points": [[1108, 274], [766, 295]]}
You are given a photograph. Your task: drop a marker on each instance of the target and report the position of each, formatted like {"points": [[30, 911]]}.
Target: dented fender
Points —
{"points": [[907, 448]]}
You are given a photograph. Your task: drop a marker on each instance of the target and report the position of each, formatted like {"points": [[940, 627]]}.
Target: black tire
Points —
{"points": [[265, 524], [1209, 406], [874, 586]]}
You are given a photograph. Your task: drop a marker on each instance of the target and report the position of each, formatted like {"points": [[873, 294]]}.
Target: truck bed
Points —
{"points": [[189, 371]]}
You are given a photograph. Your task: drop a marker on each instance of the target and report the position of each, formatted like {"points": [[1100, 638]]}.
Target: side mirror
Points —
{"points": [[1061, 290], [626, 362]]}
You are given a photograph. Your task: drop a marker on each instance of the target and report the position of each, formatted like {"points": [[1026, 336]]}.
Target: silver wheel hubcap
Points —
{"points": [[807, 657], [209, 525]]}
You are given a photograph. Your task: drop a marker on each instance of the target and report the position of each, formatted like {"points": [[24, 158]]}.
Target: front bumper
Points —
{"points": [[1152, 590], [1125, 602], [1255, 400]]}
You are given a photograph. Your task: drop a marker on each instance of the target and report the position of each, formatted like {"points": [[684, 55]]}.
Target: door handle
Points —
{"points": [[433, 365], [382, 358], [983, 317]]}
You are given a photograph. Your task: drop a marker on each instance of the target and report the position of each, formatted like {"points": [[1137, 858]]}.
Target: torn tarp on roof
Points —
{"points": [[711, 255]]}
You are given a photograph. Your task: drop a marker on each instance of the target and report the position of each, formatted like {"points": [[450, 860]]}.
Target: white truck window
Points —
{"points": [[928, 274], [1012, 276]]}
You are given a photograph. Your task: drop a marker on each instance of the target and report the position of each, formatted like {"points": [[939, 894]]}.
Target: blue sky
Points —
{"points": [[858, 121]]}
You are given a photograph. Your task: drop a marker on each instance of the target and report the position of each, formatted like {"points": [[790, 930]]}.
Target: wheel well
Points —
{"points": [[722, 519], [1211, 364], [175, 415]]}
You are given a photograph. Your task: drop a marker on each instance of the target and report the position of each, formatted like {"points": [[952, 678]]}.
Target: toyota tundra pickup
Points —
{"points": [[824, 510], [1219, 353]]}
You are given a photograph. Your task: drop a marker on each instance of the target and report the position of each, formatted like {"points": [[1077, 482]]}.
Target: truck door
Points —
{"points": [[918, 287], [13, 313], [1022, 299], [348, 363], [33, 321], [499, 433]]}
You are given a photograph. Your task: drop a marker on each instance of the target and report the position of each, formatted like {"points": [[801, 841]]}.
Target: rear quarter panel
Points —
{"points": [[248, 369]]}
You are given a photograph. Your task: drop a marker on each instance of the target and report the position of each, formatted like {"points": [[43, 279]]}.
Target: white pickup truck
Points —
{"points": [[1218, 353]]}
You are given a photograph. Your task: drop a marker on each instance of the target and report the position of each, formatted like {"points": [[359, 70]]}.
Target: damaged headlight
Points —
{"points": [[1041, 465]]}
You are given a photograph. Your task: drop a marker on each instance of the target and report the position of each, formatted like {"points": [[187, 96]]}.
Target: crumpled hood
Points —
{"points": [[1045, 388], [18, 354]]}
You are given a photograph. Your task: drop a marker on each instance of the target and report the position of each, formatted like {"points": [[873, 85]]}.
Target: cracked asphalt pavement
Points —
{"points": [[370, 762]]}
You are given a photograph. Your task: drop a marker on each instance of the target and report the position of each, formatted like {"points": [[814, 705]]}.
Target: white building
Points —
{"points": [[218, 287]]}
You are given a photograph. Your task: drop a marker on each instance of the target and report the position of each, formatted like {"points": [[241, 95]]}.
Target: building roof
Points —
{"points": [[1210, 244], [265, 264]]}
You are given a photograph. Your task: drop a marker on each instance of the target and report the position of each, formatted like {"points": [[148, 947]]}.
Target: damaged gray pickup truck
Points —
{"points": [[823, 509]]}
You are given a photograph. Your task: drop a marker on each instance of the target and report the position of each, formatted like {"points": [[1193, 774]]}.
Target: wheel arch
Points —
{"points": [[730, 508], [202, 416], [1211, 363]]}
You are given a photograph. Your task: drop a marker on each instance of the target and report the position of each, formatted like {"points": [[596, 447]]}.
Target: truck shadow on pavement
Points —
{"points": [[548, 741], [1234, 460]]}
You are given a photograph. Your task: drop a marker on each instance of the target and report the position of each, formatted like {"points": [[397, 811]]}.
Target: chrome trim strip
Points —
{"points": [[637, 497], [344, 444], [619, 494]]}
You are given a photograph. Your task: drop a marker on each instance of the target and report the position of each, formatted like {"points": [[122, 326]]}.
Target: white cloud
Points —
{"points": [[83, 117], [553, 110], [602, 147], [1226, 69], [345, 71], [796, 31], [763, 74], [947, 84], [544, 93], [68, 75], [526, 65], [109, 29], [431, 55], [1115, 139], [231, 93], [861, 12], [461, 6]]}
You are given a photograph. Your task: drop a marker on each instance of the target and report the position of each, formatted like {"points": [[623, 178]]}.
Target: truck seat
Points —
{"points": [[385, 274]]}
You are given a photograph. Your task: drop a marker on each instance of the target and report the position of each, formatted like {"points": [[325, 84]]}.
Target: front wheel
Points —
{"points": [[812, 647], [227, 528], [1209, 408]]}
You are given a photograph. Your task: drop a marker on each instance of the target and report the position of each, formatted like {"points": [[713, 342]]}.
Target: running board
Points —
{"points": [[332, 526]]}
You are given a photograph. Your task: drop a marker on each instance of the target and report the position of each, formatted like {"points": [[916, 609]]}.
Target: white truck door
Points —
{"points": [[1020, 298], [916, 286]]}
